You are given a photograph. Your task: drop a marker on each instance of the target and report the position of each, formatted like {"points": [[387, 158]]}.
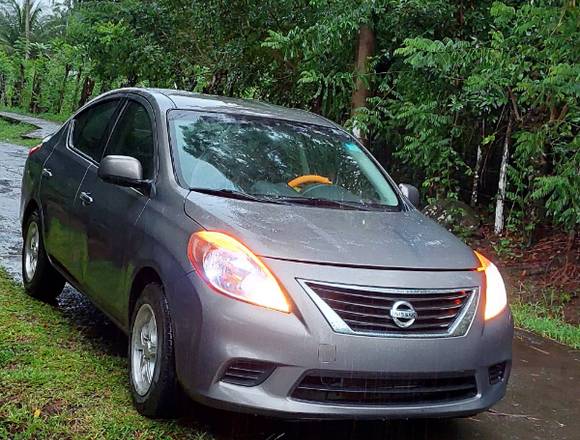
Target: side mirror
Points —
{"points": [[411, 193], [122, 171]]}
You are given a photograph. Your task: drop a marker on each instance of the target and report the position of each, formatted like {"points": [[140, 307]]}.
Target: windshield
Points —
{"points": [[275, 160]]}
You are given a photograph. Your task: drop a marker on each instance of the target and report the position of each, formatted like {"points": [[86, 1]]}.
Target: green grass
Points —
{"points": [[55, 384], [48, 116], [538, 319], [12, 133]]}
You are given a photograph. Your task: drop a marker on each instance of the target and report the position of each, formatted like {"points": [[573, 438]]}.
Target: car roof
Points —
{"points": [[183, 100]]}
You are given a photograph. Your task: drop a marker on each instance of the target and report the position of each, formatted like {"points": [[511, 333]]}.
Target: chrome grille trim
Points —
{"points": [[459, 327]]}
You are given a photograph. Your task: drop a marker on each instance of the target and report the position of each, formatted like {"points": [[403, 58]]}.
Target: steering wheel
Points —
{"points": [[308, 179]]}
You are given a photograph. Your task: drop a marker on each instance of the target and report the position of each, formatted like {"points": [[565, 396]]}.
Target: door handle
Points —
{"points": [[46, 173], [86, 198]]}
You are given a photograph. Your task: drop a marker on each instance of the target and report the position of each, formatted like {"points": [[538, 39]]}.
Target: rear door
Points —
{"points": [[62, 175], [112, 215]]}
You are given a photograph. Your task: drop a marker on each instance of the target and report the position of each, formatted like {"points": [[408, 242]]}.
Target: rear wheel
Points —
{"points": [[40, 279], [152, 374]]}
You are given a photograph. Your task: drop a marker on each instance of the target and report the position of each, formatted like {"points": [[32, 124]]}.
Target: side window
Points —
{"points": [[133, 136], [90, 127]]}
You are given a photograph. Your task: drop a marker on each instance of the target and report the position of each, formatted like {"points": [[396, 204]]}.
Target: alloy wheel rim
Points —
{"points": [[31, 249], [144, 349]]}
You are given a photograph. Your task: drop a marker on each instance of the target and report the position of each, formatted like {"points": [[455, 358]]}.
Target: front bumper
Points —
{"points": [[212, 330]]}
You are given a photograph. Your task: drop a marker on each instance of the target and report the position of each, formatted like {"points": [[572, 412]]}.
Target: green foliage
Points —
{"points": [[527, 69], [505, 247], [444, 80], [21, 22], [539, 319], [428, 146]]}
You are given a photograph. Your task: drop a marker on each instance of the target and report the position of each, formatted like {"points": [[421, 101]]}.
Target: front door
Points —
{"points": [[62, 175], [111, 212]]}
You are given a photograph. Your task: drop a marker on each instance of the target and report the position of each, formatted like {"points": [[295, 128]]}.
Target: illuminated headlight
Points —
{"points": [[232, 269], [495, 293]]}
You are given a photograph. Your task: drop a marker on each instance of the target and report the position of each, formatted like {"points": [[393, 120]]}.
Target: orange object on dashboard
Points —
{"points": [[309, 178]]}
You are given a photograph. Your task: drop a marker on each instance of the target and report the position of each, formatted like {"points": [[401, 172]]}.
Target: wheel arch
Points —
{"points": [[144, 276], [31, 206]]}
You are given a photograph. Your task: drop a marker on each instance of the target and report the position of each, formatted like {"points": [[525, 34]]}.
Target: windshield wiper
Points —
{"points": [[325, 203], [286, 200], [233, 194]]}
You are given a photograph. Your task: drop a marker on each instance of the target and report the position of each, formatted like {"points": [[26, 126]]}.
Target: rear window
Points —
{"points": [[90, 128]]}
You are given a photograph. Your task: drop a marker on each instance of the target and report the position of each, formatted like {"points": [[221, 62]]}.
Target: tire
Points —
{"points": [[156, 397], [41, 280]]}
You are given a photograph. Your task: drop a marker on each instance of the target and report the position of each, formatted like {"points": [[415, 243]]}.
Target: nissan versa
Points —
{"points": [[261, 260]]}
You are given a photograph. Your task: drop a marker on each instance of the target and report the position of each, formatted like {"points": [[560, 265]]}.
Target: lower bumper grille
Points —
{"points": [[332, 388], [496, 373], [248, 373]]}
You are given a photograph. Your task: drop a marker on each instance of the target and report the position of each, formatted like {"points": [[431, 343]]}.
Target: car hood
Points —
{"points": [[403, 240]]}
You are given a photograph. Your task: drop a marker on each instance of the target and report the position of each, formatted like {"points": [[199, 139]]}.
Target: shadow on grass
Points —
{"points": [[105, 337], [227, 425], [93, 324]]}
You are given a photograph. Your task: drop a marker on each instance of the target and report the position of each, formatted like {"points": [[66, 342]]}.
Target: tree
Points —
{"points": [[20, 21], [438, 100], [365, 51]]}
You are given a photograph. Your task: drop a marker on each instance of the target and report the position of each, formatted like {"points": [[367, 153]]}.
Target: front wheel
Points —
{"points": [[152, 375], [40, 279]]}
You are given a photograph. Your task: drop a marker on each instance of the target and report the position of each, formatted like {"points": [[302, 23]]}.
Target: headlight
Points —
{"points": [[495, 294], [232, 269]]}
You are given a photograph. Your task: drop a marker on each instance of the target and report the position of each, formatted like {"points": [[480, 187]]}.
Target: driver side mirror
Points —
{"points": [[122, 171], [411, 193]]}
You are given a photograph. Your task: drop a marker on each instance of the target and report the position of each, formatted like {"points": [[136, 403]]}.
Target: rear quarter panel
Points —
{"points": [[32, 176]]}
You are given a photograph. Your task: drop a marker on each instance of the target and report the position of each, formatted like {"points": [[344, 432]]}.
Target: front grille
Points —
{"points": [[496, 373], [368, 310], [248, 373], [334, 388]]}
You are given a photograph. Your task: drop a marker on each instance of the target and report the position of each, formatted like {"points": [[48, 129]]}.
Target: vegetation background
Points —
{"points": [[476, 102]]}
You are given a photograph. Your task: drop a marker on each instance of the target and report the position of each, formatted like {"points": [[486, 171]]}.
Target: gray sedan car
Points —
{"points": [[261, 260]]}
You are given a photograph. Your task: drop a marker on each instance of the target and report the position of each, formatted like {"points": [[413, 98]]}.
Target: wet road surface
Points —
{"points": [[543, 399], [44, 128]]}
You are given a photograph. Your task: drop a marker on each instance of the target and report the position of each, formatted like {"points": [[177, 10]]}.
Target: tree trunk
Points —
{"points": [[27, 28], [77, 86], [18, 87], [3, 89], [570, 243], [62, 91], [502, 183], [365, 50], [460, 16], [34, 106], [477, 169], [87, 91], [476, 177], [131, 80]]}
